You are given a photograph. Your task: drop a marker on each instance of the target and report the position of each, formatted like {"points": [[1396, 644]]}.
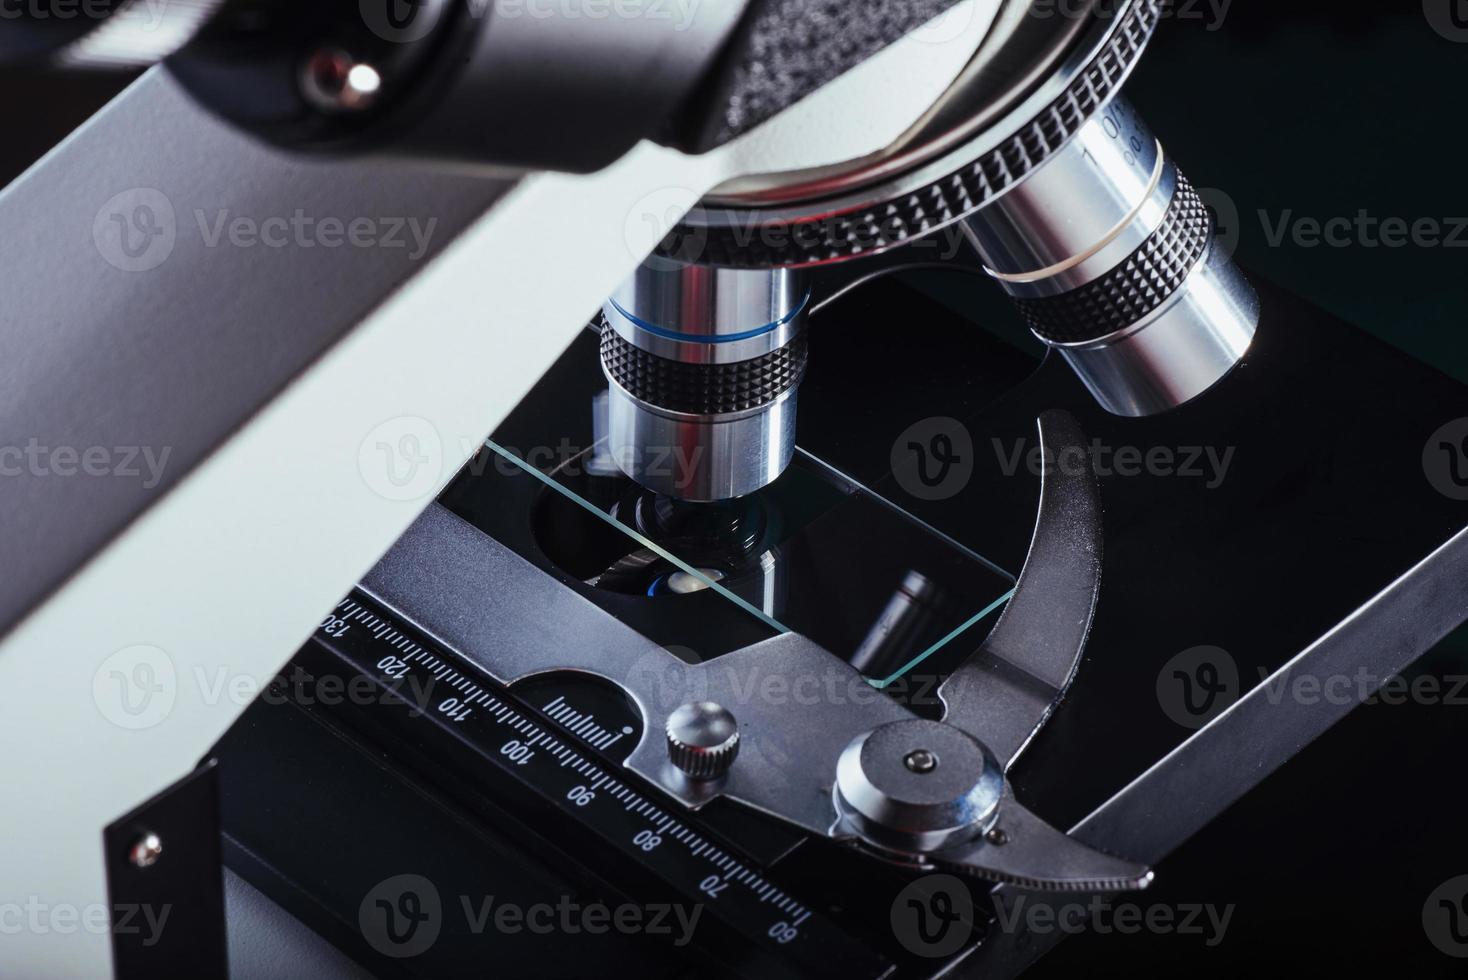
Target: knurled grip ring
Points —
{"points": [[1136, 287]]}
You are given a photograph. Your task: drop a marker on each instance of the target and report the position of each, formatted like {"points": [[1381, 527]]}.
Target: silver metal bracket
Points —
{"points": [[936, 794]]}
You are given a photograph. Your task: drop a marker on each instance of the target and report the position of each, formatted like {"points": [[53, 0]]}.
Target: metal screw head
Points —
{"points": [[893, 790], [997, 837], [921, 761], [703, 739], [146, 852]]}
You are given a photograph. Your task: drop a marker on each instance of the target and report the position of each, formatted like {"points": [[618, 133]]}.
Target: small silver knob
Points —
{"points": [[703, 739]]}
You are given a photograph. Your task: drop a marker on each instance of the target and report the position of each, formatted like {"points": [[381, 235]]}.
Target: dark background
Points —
{"points": [[1323, 109], [1312, 110]]}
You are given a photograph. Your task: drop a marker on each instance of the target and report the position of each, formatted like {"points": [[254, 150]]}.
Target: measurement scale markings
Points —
{"points": [[504, 715]]}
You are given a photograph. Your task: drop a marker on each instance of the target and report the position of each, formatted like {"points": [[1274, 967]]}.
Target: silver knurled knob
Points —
{"points": [[703, 739]]}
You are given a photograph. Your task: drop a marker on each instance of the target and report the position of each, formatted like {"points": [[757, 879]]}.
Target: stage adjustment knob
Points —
{"points": [[703, 739]]}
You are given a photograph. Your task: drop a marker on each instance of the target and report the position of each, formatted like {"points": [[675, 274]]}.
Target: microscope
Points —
{"points": [[819, 485]]}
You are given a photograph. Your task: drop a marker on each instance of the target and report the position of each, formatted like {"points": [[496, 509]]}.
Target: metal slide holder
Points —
{"points": [[848, 764]]}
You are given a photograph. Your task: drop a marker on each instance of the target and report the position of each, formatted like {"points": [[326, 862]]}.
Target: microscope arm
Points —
{"points": [[264, 384]]}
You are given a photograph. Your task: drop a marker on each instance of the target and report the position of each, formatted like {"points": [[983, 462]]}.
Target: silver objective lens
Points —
{"points": [[1111, 256], [704, 365], [1071, 203]]}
